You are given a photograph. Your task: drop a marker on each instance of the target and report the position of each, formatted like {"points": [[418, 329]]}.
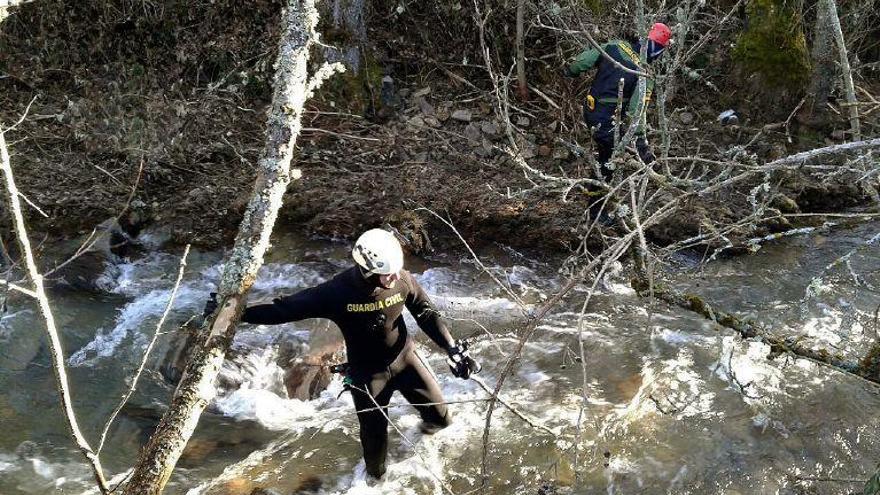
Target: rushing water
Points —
{"points": [[673, 403]]}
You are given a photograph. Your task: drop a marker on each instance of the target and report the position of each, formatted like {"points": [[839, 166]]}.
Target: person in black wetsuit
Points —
{"points": [[601, 103], [366, 301]]}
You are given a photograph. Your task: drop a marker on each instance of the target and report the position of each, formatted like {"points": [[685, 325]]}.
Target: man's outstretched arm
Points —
{"points": [[308, 303]]}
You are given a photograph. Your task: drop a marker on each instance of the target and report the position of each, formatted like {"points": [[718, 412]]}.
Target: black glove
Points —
{"points": [[645, 151], [210, 305], [460, 362]]}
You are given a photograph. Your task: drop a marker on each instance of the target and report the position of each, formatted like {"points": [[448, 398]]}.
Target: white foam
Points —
{"points": [[276, 277], [138, 315], [8, 463], [139, 276], [670, 385], [744, 365]]}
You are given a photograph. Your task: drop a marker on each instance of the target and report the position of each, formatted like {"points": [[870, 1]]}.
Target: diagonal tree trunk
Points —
{"points": [[197, 386], [846, 71]]}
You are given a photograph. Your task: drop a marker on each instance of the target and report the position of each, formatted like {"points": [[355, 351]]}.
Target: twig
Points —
{"points": [[18, 288], [34, 206], [512, 409], [339, 134], [503, 286], [137, 375]]}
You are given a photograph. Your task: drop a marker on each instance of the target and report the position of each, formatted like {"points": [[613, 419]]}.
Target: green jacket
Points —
{"points": [[605, 85]]}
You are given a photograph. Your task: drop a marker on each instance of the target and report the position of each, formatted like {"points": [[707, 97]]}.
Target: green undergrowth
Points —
{"points": [[773, 44]]}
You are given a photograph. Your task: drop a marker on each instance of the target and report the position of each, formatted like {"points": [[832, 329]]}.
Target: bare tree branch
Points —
{"points": [[55, 347], [134, 379]]}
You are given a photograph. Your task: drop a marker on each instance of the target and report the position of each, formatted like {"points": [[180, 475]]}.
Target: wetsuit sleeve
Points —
{"points": [[427, 316], [584, 62], [308, 303]]}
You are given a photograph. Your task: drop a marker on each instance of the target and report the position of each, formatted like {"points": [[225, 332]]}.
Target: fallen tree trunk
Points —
{"points": [[747, 329], [197, 387]]}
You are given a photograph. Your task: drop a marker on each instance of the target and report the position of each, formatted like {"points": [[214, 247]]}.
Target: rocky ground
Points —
{"points": [[125, 99]]}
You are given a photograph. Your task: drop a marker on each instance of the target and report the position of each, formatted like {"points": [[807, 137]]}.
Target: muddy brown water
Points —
{"points": [[673, 404]]}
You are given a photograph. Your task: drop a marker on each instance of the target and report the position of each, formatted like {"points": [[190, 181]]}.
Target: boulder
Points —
{"points": [[490, 129], [462, 115], [307, 376], [472, 133], [426, 108]]}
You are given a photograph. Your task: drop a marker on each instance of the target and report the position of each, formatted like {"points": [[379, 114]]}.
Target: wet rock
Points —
{"points": [[472, 133], [308, 484], [175, 359], [462, 115], [111, 240], [548, 488], [237, 486], [308, 376], [197, 450], [265, 491]]}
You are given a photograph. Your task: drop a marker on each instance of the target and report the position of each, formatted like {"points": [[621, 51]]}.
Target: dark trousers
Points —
{"points": [[408, 375], [601, 121]]}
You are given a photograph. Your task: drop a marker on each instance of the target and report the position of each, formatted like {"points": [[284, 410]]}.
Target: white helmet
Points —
{"points": [[378, 251]]}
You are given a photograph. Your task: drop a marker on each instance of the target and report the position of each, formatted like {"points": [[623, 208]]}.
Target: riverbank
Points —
{"points": [[177, 113]]}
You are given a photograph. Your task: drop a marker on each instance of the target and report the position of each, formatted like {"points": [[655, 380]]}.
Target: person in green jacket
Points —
{"points": [[601, 104]]}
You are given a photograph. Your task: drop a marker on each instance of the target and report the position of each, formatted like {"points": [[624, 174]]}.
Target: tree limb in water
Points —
{"points": [[746, 329]]}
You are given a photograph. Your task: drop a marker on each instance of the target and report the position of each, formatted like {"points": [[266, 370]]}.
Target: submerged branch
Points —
{"points": [[749, 329]]}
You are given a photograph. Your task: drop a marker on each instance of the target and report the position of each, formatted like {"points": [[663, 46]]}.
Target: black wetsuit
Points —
{"points": [[381, 355]]}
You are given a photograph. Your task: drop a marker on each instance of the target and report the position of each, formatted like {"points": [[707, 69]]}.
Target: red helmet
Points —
{"points": [[660, 34]]}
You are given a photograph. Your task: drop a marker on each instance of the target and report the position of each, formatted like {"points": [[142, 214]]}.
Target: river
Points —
{"points": [[673, 403]]}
